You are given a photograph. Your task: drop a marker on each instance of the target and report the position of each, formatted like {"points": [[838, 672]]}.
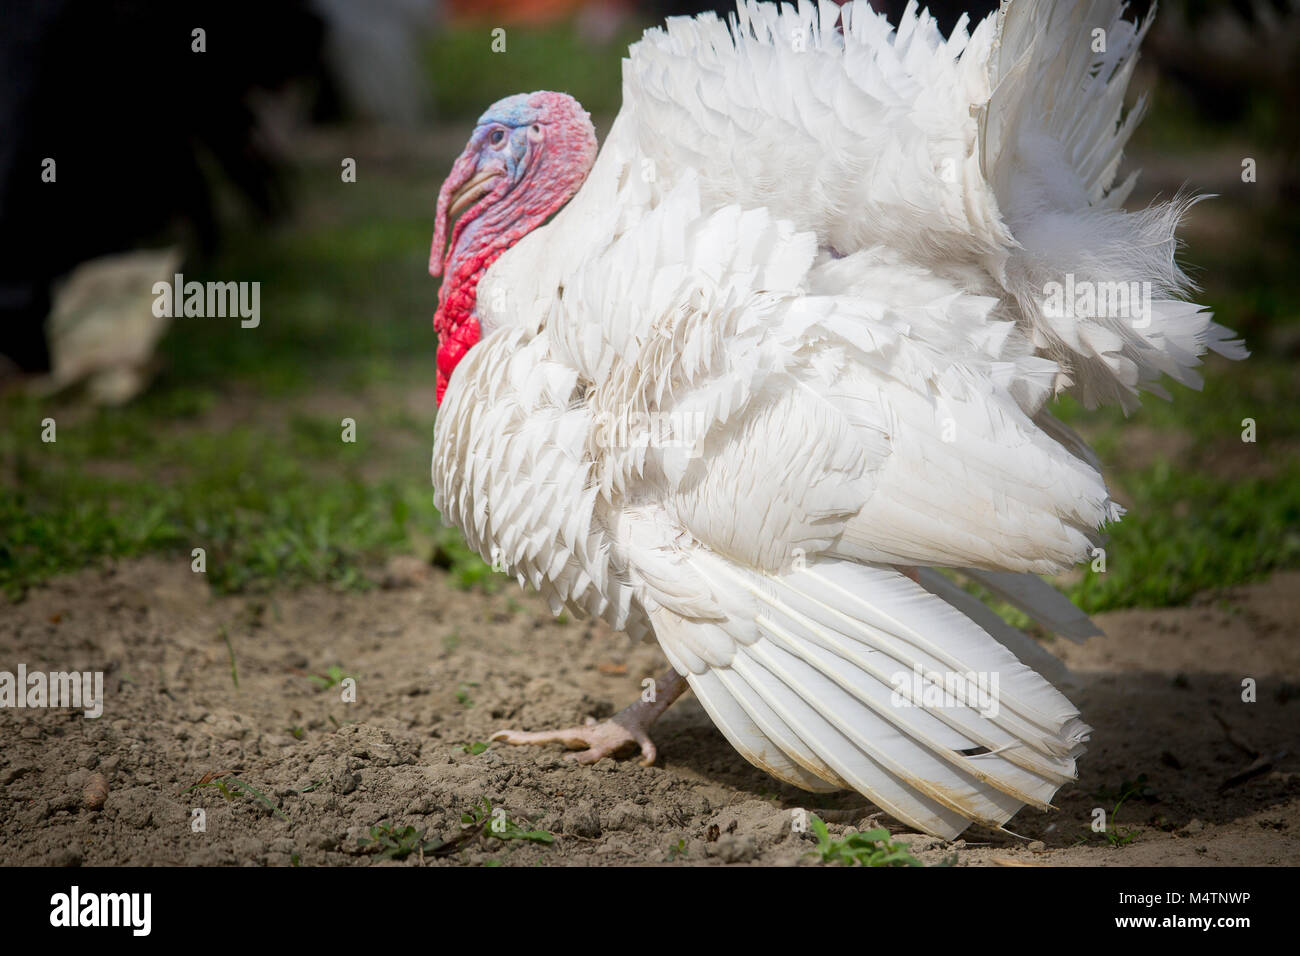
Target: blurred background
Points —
{"points": [[228, 163]]}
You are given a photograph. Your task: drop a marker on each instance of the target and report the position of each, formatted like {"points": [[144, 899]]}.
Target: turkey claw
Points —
{"points": [[609, 738]]}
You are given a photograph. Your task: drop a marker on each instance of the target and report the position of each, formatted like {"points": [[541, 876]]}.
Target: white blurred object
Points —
{"points": [[102, 328], [373, 50]]}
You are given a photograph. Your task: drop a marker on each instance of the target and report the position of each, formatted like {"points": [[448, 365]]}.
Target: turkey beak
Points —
{"points": [[464, 187], [471, 192]]}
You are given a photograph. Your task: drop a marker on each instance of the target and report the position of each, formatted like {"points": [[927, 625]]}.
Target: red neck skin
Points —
{"points": [[489, 228], [455, 322]]}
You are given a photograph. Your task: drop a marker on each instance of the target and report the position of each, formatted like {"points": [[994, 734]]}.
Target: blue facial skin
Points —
{"points": [[502, 133], [512, 117]]}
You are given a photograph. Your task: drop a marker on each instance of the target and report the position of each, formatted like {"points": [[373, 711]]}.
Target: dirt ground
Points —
{"points": [[437, 668]]}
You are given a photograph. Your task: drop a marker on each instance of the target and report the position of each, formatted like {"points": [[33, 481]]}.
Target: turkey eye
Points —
{"points": [[498, 137]]}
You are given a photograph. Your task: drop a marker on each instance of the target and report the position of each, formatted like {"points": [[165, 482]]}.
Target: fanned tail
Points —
{"points": [[848, 675]]}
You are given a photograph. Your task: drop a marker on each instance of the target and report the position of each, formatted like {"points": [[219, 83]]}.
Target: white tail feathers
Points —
{"points": [[845, 675]]}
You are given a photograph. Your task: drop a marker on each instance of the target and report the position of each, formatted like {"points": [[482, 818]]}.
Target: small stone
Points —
{"points": [[94, 792]]}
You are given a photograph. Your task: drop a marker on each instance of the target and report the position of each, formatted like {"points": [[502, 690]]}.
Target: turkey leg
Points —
{"points": [[626, 730]]}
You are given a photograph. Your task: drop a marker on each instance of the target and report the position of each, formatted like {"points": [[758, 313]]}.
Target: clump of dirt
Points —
{"points": [[249, 696]]}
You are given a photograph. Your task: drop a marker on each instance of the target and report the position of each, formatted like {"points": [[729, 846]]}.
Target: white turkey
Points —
{"points": [[785, 348]]}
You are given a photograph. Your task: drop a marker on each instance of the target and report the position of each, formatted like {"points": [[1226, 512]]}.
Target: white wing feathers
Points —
{"points": [[872, 428], [862, 136], [998, 149], [791, 333], [1052, 135]]}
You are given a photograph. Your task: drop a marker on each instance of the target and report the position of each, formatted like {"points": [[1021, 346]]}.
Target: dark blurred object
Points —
{"points": [[1238, 59], [947, 12], [136, 122]]}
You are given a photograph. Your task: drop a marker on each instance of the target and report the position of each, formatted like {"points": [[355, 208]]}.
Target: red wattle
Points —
{"points": [[457, 327]]}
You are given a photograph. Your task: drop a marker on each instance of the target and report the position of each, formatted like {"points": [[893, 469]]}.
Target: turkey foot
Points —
{"points": [[627, 730]]}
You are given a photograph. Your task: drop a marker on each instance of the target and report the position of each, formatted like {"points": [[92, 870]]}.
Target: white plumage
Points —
{"points": [[793, 333]]}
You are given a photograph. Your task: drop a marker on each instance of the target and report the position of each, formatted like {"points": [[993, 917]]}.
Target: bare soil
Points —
{"points": [[437, 668]]}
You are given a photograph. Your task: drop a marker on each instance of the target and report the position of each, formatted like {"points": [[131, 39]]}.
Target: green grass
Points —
{"points": [[1191, 532], [479, 824], [493, 822], [346, 297], [230, 650], [332, 677], [229, 787], [1114, 834], [267, 508], [397, 843], [861, 848]]}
